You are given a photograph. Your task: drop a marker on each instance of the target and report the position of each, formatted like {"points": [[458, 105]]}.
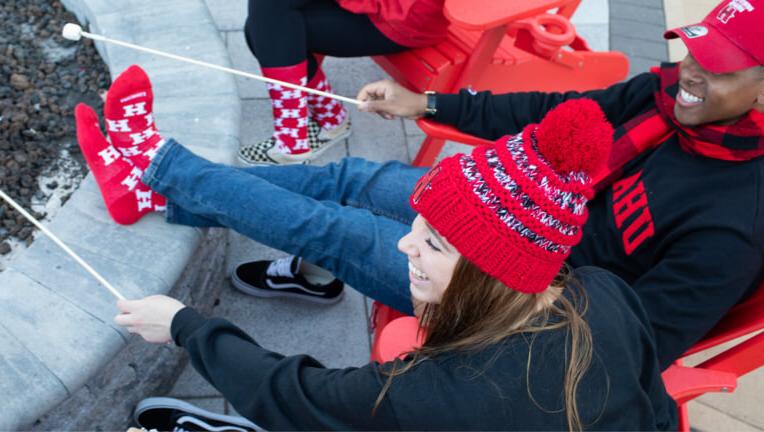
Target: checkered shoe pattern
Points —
{"points": [[257, 154], [262, 153]]}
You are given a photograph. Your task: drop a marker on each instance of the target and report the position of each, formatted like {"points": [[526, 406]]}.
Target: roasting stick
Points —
{"points": [[66, 249], [74, 32]]}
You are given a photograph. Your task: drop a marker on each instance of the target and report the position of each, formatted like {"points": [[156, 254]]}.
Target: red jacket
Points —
{"points": [[411, 23]]}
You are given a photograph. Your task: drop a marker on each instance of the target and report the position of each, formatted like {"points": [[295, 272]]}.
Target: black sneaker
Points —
{"points": [[287, 277], [168, 414]]}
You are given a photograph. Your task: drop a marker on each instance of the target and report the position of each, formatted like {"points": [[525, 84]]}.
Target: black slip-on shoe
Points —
{"points": [[287, 277], [168, 414]]}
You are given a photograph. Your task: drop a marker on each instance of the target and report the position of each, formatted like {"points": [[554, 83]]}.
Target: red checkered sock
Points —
{"points": [[127, 198], [130, 117], [290, 108], [327, 112]]}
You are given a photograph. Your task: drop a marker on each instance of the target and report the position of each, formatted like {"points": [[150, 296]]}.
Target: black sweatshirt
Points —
{"points": [[485, 390], [688, 236]]}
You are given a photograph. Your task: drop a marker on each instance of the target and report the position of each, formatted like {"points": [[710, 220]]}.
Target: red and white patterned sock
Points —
{"points": [[127, 198], [130, 117], [327, 112], [290, 108]]}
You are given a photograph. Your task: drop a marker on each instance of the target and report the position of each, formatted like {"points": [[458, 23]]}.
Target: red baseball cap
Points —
{"points": [[729, 39]]}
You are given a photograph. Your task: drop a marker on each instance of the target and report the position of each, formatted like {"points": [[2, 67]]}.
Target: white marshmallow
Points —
{"points": [[72, 32]]}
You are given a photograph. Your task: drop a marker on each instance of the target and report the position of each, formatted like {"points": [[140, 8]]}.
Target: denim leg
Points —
{"points": [[382, 188], [356, 245]]}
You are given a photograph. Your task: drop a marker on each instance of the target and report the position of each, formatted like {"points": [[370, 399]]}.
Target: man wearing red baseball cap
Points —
{"points": [[726, 54], [730, 38]]}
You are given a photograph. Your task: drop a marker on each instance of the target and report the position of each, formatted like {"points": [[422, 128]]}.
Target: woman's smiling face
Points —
{"points": [[432, 261]]}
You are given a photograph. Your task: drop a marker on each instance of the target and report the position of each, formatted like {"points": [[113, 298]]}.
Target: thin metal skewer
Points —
{"points": [[72, 35], [61, 244]]}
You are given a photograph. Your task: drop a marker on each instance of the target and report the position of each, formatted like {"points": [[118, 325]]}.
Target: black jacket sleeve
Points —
{"points": [[722, 267], [278, 392], [492, 116]]}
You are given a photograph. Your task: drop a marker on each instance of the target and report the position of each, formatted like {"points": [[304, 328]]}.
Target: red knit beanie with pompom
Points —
{"points": [[516, 208]]}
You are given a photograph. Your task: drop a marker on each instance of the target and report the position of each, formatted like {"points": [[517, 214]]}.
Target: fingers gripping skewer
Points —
{"points": [[61, 244], [74, 32]]}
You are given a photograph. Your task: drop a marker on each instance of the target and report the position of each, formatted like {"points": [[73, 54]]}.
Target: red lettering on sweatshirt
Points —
{"points": [[630, 198]]}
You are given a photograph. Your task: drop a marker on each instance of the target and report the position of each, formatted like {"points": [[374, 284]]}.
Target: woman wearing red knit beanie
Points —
{"points": [[286, 35], [512, 338]]}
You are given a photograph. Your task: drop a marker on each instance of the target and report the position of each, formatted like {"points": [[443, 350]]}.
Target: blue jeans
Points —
{"points": [[346, 217]]}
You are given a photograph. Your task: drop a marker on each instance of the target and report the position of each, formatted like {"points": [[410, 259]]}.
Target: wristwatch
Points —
{"points": [[432, 107]]}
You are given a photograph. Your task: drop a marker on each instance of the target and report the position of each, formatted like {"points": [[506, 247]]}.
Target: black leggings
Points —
{"points": [[285, 32]]}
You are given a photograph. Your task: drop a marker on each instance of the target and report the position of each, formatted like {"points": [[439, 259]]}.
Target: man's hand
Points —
{"points": [[150, 317], [390, 100]]}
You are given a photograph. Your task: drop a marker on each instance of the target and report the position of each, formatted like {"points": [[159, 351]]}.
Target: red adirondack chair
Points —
{"points": [[504, 46]]}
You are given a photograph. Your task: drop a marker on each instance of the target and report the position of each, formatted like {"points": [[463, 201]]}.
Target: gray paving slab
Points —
{"points": [[24, 374], [256, 121], [67, 339], [638, 30], [242, 59], [336, 334], [592, 12], [375, 138], [228, 14], [745, 403], [636, 11], [652, 4], [48, 265], [349, 75], [192, 385], [196, 115], [163, 257], [214, 147], [633, 47], [704, 418], [597, 35]]}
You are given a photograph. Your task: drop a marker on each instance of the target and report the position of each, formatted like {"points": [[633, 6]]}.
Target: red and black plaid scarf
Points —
{"points": [[741, 141]]}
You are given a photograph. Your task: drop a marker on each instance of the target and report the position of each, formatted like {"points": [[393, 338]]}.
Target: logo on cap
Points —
{"points": [[424, 184], [694, 31], [733, 7]]}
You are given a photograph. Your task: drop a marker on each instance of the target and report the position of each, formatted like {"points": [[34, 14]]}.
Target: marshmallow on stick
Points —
{"points": [[74, 32]]}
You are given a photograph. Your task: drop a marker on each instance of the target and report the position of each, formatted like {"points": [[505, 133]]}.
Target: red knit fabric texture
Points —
{"points": [[516, 208], [290, 107], [327, 112], [129, 114], [581, 126]]}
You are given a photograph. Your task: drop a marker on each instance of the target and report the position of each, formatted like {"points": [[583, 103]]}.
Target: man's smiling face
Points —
{"points": [[705, 97]]}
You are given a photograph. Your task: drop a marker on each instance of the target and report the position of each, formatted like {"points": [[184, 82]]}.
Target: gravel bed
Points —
{"points": [[43, 78]]}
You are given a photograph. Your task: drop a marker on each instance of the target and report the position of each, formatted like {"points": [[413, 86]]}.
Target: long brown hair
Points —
{"points": [[478, 311]]}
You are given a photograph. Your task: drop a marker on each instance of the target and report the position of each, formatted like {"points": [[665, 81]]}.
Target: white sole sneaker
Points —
{"points": [[321, 139], [267, 153], [163, 413]]}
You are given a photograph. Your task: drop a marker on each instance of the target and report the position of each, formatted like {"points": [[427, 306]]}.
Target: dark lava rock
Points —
{"points": [[39, 88], [20, 82], [5, 248]]}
